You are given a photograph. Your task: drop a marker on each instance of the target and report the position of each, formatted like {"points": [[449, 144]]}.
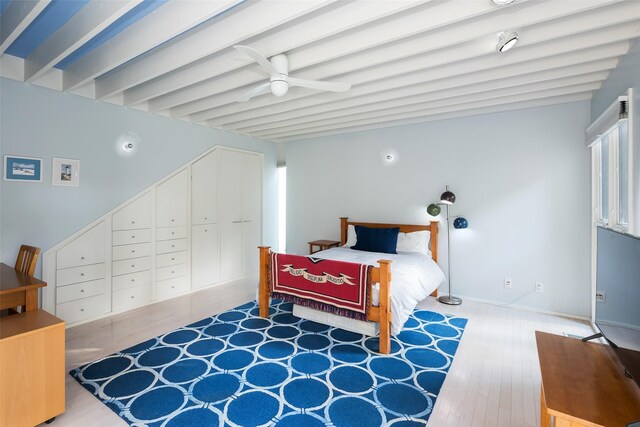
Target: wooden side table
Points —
{"points": [[322, 244], [583, 385], [32, 372]]}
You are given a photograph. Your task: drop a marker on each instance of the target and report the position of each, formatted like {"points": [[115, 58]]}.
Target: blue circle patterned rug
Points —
{"points": [[238, 369]]}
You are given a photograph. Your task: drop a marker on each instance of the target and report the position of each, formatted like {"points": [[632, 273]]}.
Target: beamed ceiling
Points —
{"points": [[407, 61]]}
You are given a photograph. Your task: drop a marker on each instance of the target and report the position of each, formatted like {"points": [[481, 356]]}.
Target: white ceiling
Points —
{"points": [[408, 61]]}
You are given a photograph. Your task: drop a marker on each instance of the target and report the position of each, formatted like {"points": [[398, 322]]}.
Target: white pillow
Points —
{"points": [[418, 241], [351, 236]]}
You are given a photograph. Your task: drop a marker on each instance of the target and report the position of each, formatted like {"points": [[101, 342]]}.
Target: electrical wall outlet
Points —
{"points": [[508, 284], [539, 287], [601, 296]]}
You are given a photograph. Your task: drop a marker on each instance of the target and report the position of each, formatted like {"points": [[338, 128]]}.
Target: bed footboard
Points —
{"points": [[380, 314]]}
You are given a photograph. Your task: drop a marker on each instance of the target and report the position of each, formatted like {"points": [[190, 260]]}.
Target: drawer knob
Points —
{"points": [[133, 265], [133, 251], [173, 259], [173, 246], [133, 237], [132, 297], [205, 230], [133, 280], [172, 220], [172, 271], [172, 287], [205, 217], [82, 274], [173, 232], [133, 222], [82, 290], [82, 309], [81, 257]]}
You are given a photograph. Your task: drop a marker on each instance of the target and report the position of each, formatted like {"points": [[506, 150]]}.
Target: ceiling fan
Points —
{"points": [[278, 69]]}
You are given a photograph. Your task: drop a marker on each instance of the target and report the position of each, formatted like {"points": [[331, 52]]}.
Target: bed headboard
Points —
{"points": [[404, 228]]}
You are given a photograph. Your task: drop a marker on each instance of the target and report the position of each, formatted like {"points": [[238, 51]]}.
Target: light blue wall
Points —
{"points": [[37, 122], [626, 75], [521, 178]]}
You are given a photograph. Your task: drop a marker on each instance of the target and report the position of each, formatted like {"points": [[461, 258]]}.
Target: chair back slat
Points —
{"points": [[27, 259]]}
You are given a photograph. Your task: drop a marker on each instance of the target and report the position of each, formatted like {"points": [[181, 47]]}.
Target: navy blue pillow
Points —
{"points": [[376, 239]]}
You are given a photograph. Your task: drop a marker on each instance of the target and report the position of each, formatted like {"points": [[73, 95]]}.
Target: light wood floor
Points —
{"points": [[494, 379]]}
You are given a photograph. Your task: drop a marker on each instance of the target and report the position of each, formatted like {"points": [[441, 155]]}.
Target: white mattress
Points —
{"points": [[413, 277]]}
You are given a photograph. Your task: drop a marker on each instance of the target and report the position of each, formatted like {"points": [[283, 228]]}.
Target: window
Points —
{"points": [[608, 137], [623, 175]]}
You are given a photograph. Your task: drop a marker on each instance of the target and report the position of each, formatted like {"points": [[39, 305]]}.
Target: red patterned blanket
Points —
{"points": [[337, 287]]}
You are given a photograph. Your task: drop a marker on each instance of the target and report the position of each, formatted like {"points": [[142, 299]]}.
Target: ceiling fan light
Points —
{"points": [[502, 2], [506, 40], [279, 87]]}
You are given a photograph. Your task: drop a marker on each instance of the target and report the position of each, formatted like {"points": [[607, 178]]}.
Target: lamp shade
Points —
{"points": [[448, 197], [460, 222], [433, 209]]}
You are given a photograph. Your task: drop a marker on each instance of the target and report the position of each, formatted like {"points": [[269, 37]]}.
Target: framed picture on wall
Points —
{"points": [[66, 172], [19, 168]]}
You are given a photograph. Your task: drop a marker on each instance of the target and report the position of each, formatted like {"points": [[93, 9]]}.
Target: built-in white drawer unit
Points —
{"points": [[82, 309], [79, 290], [127, 299], [131, 280], [167, 246], [83, 273], [131, 251], [171, 287], [171, 272], [167, 233], [131, 236], [171, 258], [89, 248], [135, 215], [133, 265]]}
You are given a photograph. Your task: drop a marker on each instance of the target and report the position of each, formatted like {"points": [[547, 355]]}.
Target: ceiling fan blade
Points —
{"points": [[316, 84], [256, 56], [258, 90]]}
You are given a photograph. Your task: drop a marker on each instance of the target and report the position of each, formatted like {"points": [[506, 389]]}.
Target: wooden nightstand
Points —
{"points": [[322, 244]]}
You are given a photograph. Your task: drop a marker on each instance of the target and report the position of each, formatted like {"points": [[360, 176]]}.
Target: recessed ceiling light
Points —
{"points": [[502, 2], [506, 40]]}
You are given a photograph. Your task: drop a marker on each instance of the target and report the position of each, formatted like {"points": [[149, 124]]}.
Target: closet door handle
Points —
{"points": [[236, 222], [247, 220]]}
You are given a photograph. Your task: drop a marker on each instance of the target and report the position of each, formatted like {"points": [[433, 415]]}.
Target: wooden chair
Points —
{"points": [[27, 259], [26, 263]]}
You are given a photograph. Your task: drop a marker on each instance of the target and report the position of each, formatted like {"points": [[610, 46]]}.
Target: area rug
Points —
{"points": [[238, 369]]}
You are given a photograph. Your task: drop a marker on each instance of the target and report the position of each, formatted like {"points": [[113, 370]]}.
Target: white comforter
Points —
{"points": [[413, 277]]}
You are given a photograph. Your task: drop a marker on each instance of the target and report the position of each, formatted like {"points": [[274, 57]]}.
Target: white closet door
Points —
{"points": [[230, 251], [172, 201], [204, 190], [251, 213], [231, 169], [135, 215], [205, 261]]}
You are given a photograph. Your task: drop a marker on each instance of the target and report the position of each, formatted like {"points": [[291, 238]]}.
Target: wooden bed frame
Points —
{"points": [[381, 275]]}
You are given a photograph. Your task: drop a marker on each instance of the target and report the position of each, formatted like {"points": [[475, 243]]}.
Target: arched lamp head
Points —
{"points": [[448, 197], [460, 222], [433, 209]]}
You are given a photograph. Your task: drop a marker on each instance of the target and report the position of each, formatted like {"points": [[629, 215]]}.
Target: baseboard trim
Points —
{"points": [[526, 308]]}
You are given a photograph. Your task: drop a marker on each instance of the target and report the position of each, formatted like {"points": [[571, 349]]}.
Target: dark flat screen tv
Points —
{"points": [[618, 281]]}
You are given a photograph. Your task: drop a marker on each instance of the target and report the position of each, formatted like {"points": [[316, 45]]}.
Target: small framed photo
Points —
{"points": [[18, 168], [66, 172]]}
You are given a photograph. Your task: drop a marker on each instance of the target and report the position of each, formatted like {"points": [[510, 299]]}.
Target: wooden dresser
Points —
{"points": [[583, 385], [32, 370]]}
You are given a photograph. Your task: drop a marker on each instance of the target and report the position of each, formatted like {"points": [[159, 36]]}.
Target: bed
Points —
{"points": [[415, 276]]}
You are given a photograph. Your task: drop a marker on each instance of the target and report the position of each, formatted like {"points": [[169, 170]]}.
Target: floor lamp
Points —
{"points": [[447, 199]]}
